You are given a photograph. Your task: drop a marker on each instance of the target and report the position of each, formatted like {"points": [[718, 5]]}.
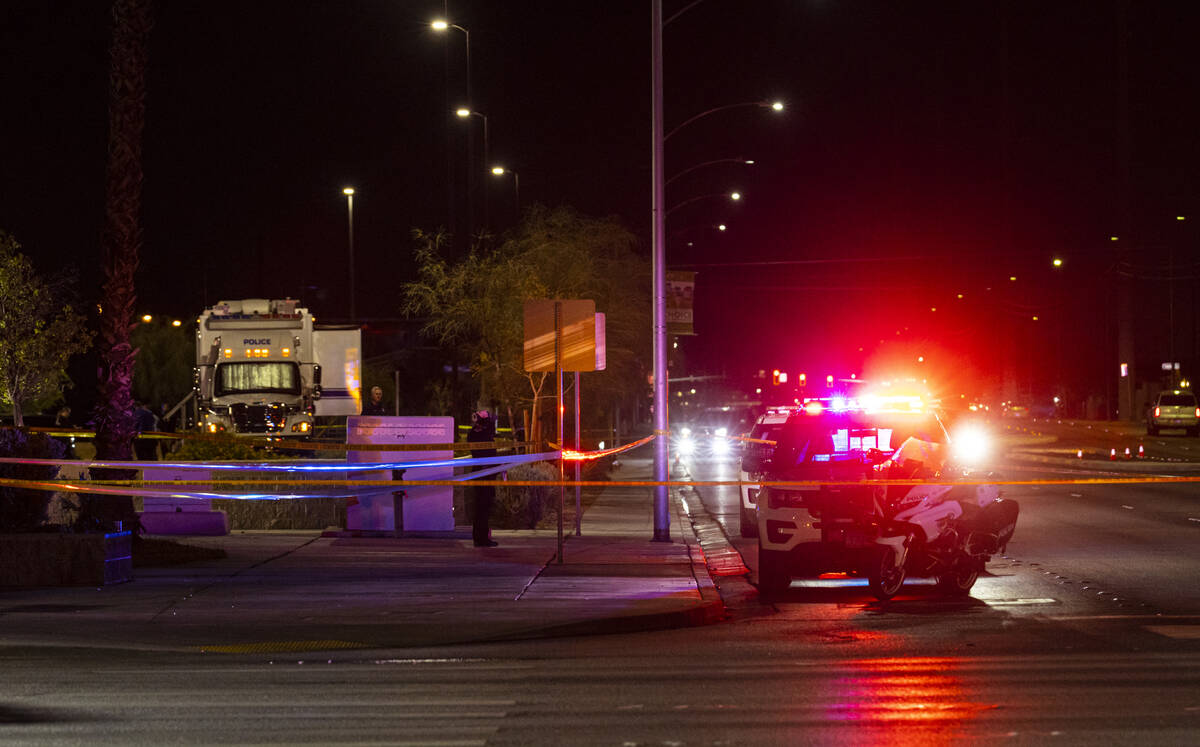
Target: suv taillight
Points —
{"points": [[1157, 410], [1198, 412]]}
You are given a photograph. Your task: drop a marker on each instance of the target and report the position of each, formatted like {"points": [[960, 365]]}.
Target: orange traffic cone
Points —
{"points": [[1112, 455], [1141, 452], [1127, 454], [1079, 454]]}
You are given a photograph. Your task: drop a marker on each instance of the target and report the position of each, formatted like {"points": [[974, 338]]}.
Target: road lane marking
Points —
{"points": [[1128, 507], [1191, 632]]}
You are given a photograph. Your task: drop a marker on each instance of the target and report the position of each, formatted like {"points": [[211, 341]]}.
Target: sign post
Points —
{"points": [[564, 335]]}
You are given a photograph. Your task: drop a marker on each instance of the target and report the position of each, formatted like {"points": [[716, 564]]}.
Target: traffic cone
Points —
{"points": [[1127, 454], [1141, 452], [1112, 455], [1079, 454]]}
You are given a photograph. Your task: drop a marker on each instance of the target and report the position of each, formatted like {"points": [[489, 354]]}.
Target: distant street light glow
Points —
{"points": [[735, 196], [777, 105], [176, 323], [721, 227], [439, 25], [1058, 262], [498, 170], [463, 112], [146, 317], [348, 191], [1112, 238]]}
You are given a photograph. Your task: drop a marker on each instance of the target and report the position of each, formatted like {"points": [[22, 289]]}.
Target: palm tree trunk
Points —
{"points": [[122, 238]]}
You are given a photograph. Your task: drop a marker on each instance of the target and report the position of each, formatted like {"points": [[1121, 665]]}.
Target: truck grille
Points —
{"points": [[258, 418]]}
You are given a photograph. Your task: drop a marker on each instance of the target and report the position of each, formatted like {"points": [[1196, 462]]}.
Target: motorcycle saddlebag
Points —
{"points": [[995, 524]]}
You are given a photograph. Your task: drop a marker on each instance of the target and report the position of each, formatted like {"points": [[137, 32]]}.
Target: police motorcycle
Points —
{"points": [[881, 492]]}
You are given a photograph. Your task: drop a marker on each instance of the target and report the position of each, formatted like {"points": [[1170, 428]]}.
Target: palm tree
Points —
{"points": [[121, 239]]}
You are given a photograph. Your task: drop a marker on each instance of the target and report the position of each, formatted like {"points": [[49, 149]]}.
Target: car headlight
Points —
{"points": [[686, 446], [720, 446]]}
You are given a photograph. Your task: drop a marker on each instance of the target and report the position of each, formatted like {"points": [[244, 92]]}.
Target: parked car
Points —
{"points": [[1174, 409]]}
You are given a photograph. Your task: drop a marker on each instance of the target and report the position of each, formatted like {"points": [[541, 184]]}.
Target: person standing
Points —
{"points": [[483, 430], [375, 405], [146, 422]]}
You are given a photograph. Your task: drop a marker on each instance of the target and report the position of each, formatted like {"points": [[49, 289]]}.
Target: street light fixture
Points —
{"points": [[349, 192]]}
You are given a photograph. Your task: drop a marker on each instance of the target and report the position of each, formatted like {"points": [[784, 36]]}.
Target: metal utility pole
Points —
{"points": [[662, 518]]}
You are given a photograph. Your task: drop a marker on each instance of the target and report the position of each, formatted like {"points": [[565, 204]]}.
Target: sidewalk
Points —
{"points": [[299, 591]]}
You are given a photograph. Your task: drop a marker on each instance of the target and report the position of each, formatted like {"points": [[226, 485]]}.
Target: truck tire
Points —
{"points": [[773, 572], [748, 523]]}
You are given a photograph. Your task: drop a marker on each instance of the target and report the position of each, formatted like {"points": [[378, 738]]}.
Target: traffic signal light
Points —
{"points": [[775, 377]]}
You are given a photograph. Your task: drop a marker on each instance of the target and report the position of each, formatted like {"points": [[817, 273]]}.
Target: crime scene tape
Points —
{"points": [[361, 488], [571, 455]]}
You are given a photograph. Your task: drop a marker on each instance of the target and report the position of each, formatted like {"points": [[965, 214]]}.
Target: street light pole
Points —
{"points": [[734, 196], [349, 192], [501, 171], [773, 105], [464, 113], [662, 517], [690, 169]]}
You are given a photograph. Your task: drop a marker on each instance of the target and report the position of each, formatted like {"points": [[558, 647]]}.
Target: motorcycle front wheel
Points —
{"points": [[883, 577], [958, 580]]}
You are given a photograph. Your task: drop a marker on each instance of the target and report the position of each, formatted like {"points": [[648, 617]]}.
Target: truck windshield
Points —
{"points": [[257, 378]]}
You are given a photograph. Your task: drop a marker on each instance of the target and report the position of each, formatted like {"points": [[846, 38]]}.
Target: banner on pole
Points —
{"points": [[681, 288]]}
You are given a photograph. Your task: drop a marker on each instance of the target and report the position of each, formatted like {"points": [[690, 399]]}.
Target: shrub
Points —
{"points": [[23, 510], [523, 506], [222, 448]]}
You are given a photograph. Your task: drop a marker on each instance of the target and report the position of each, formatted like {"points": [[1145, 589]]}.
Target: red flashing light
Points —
{"points": [[1156, 411]]}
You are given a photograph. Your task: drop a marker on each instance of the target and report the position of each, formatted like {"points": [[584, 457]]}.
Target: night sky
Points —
{"points": [[928, 149]]}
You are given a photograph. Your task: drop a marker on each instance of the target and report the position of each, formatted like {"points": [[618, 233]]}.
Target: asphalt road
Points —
{"points": [[1087, 632]]}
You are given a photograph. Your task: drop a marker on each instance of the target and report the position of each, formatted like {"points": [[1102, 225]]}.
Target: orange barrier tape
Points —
{"points": [[59, 484], [582, 456]]}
